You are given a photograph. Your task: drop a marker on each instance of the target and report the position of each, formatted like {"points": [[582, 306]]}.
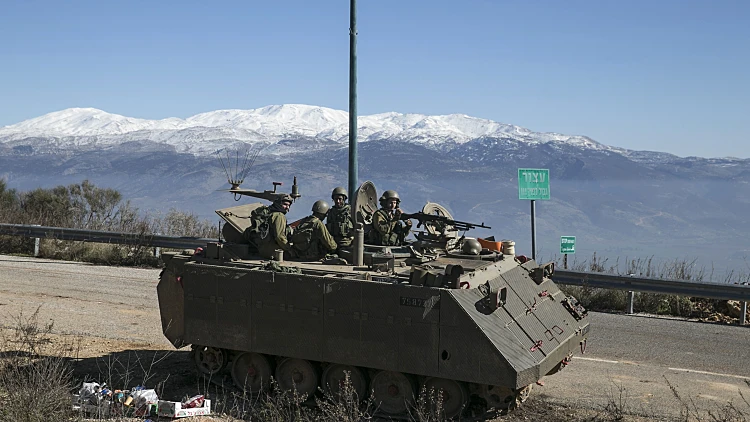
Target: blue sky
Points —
{"points": [[662, 75]]}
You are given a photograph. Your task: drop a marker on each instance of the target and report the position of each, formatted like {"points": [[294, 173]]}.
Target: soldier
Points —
{"points": [[339, 220], [268, 230], [387, 227], [311, 239]]}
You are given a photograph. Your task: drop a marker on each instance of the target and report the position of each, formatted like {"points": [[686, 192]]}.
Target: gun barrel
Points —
{"points": [[460, 225]]}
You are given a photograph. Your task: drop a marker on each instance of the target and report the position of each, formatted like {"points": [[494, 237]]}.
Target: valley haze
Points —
{"points": [[617, 202]]}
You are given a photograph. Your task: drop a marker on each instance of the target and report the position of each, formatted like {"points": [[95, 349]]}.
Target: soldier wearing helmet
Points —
{"points": [[311, 239], [268, 230], [339, 220], [387, 227]]}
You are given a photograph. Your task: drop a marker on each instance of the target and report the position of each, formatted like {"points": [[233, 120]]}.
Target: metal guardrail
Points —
{"points": [[97, 236], [692, 288]]}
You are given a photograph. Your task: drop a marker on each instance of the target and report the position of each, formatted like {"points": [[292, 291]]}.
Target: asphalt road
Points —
{"points": [[631, 360]]}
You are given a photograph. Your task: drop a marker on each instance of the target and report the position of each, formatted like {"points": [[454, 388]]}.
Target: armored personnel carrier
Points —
{"points": [[437, 313]]}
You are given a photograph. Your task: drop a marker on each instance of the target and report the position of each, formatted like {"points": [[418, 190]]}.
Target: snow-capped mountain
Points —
{"points": [[208, 132], [617, 201]]}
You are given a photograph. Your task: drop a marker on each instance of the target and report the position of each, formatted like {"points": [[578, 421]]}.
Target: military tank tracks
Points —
{"points": [[394, 393]]}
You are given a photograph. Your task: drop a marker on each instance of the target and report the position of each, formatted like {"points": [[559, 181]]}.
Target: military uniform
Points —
{"points": [[339, 224], [311, 239], [387, 229], [270, 232]]}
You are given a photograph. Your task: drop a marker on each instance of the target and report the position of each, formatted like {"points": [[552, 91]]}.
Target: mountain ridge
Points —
{"points": [[616, 201], [208, 132]]}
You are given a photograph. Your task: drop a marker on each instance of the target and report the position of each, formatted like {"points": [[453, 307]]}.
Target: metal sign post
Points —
{"points": [[533, 184], [533, 230], [567, 246]]}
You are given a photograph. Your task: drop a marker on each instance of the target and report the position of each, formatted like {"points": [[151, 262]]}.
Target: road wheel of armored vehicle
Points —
{"points": [[502, 398], [505, 398], [393, 392], [523, 394], [334, 380], [297, 374], [454, 394], [251, 372], [209, 360]]}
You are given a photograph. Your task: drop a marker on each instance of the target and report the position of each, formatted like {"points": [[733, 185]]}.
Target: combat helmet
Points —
{"points": [[471, 247], [339, 191], [320, 207], [389, 194]]}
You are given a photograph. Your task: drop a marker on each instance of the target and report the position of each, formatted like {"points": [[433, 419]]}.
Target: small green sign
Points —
{"points": [[567, 244], [533, 184]]}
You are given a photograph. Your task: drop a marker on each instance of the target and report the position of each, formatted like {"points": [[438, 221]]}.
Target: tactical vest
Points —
{"points": [[340, 225]]}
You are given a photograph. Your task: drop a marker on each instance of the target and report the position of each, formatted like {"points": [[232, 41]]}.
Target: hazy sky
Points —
{"points": [[662, 75]]}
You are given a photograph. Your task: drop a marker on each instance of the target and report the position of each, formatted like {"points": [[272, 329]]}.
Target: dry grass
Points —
{"points": [[98, 253], [36, 383], [35, 374], [729, 412], [281, 406]]}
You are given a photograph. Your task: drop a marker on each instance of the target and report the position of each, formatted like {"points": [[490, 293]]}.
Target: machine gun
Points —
{"points": [[459, 225]]}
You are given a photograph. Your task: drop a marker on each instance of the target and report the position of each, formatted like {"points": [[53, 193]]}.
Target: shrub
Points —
{"points": [[86, 206]]}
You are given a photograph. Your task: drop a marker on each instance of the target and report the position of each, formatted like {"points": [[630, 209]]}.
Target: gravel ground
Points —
{"points": [[109, 317]]}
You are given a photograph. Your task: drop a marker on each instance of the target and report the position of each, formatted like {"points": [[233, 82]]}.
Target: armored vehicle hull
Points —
{"points": [[487, 326]]}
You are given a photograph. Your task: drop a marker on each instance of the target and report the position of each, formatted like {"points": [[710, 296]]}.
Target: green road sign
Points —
{"points": [[533, 184], [567, 244]]}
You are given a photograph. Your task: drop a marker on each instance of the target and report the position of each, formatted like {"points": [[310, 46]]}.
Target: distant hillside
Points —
{"points": [[617, 202]]}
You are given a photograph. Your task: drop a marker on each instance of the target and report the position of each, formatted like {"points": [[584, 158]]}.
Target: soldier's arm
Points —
{"points": [[401, 230], [349, 222], [379, 223], [278, 224], [329, 223], [404, 224], [400, 227], [325, 237]]}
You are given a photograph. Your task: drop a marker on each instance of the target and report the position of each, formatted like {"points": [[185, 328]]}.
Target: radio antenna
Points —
{"points": [[232, 170]]}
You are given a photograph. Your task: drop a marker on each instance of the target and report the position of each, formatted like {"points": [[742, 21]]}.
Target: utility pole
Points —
{"points": [[353, 167]]}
